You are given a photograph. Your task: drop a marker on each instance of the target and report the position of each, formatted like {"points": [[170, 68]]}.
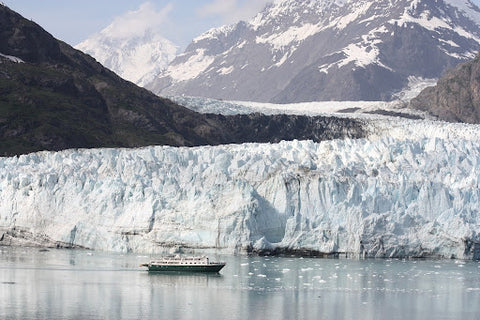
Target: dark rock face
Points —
{"points": [[23, 237], [313, 50], [272, 129], [261, 128], [456, 97], [60, 98], [23, 38]]}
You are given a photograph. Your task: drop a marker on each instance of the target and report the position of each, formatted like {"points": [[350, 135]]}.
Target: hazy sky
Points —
{"points": [[178, 20]]}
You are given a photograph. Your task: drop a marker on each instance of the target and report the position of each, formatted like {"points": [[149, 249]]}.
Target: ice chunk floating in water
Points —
{"points": [[389, 197]]}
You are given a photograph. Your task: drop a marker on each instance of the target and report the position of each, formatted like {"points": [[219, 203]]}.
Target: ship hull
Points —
{"points": [[211, 268]]}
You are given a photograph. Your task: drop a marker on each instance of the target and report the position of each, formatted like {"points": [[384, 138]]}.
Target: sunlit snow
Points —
{"points": [[138, 59], [190, 69], [12, 58]]}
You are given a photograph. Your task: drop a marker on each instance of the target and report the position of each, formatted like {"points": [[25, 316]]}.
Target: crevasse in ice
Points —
{"points": [[388, 196]]}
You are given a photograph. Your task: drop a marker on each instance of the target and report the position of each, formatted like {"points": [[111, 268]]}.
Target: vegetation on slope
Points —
{"points": [[60, 98]]}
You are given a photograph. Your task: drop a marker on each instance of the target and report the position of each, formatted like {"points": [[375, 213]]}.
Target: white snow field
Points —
{"points": [[357, 109], [410, 189], [132, 46], [11, 58], [339, 108]]}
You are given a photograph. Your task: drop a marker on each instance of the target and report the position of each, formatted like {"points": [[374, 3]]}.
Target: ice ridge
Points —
{"points": [[382, 197]]}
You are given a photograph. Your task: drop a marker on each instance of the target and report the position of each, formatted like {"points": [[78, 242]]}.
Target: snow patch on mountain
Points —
{"points": [[225, 71], [440, 24], [191, 68], [12, 58], [359, 9], [214, 33], [467, 7], [292, 35], [362, 53]]}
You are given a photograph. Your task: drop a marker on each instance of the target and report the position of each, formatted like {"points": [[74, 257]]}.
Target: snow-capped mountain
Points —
{"points": [[410, 189], [297, 51], [137, 58]]}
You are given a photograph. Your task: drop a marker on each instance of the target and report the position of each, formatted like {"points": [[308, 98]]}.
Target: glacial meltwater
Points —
{"points": [[69, 284]]}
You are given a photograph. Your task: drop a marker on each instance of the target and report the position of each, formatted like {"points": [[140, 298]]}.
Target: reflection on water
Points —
{"points": [[62, 284]]}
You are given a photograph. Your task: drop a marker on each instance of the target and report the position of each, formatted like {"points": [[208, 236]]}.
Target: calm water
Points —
{"points": [[62, 284]]}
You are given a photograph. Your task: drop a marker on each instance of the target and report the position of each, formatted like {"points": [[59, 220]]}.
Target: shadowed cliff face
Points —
{"points": [[59, 98], [456, 97]]}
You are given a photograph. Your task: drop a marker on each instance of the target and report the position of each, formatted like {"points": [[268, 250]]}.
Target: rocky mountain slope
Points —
{"points": [[456, 97], [313, 50], [54, 97]]}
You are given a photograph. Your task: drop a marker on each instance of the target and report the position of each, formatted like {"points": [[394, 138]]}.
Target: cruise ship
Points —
{"points": [[184, 264]]}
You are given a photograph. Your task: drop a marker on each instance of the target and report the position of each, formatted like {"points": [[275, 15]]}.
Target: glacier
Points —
{"points": [[409, 190]]}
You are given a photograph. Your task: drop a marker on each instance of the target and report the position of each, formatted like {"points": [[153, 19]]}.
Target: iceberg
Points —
{"points": [[409, 190]]}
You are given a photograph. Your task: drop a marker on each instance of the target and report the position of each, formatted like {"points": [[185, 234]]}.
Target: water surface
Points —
{"points": [[66, 284]]}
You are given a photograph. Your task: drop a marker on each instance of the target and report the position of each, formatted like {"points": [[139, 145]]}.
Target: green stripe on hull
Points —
{"points": [[186, 268]]}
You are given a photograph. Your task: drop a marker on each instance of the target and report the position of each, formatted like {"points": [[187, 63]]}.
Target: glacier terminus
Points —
{"points": [[411, 189]]}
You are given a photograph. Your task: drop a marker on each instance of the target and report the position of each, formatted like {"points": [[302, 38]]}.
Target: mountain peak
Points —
{"points": [[296, 51], [132, 45], [137, 59]]}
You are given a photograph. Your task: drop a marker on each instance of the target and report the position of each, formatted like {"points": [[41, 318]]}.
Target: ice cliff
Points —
{"points": [[413, 192]]}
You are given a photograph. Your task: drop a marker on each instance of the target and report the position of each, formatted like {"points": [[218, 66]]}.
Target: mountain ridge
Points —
{"points": [[315, 50], [456, 97], [60, 98]]}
